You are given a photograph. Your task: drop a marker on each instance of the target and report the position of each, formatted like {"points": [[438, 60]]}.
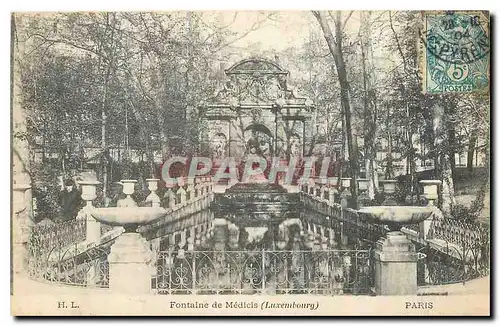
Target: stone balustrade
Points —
{"points": [[336, 225], [323, 196], [435, 227], [187, 192], [86, 236]]}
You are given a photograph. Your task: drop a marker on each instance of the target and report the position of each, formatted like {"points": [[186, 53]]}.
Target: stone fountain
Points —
{"points": [[395, 255], [131, 261]]}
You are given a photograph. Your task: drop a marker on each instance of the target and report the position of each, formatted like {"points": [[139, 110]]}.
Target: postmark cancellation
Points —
{"points": [[455, 51]]}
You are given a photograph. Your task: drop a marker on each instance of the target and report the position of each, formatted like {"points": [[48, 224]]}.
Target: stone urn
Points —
{"points": [[332, 181], [389, 186], [128, 189], [131, 261], [153, 196], [363, 184], [346, 182], [395, 255], [430, 190], [128, 186], [130, 218], [395, 216], [89, 190]]}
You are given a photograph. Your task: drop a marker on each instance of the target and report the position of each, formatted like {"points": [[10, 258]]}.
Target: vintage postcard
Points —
{"points": [[318, 163]]}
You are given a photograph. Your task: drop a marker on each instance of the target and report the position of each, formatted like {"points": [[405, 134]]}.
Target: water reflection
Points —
{"points": [[308, 230], [307, 253]]}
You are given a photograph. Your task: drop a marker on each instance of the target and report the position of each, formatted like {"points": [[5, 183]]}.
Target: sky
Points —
{"points": [[283, 30]]}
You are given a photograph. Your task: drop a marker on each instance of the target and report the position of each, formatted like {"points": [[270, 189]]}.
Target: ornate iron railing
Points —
{"points": [[321, 272], [452, 264], [459, 232], [57, 255], [59, 235], [361, 229]]}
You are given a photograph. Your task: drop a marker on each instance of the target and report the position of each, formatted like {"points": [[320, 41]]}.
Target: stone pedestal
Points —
{"points": [[153, 197], [131, 265], [395, 265], [93, 229], [425, 227], [89, 193], [431, 194]]}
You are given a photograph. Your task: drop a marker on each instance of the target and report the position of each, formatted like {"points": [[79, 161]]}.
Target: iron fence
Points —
{"points": [[57, 253], [59, 235], [320, 272], [459, 232], [452, 263]]}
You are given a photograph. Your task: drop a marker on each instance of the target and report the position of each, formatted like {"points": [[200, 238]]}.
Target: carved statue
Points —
{"points": [[219, 146]]}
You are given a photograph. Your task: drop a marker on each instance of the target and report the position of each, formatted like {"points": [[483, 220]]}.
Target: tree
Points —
{"points": [[369, 103], [120, 80], [335, 46]]}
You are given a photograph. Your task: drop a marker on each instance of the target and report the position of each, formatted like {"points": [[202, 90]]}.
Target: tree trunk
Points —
{"points": [[471, 149], [335, 47], [104, 170], [389, 173], [446, 194], [451, 145], [369, 123]]}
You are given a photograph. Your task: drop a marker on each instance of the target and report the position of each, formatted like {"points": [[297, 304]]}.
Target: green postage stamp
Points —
{"points": [[455, 51]]}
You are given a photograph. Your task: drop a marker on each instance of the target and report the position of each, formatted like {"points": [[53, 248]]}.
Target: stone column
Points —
{"points": [[345, 195], [395, 265], [197, 189], [310, 189], [183, 240], [431, 194], [331, 195], [192, 236], [182, 194], [344, 239], [169, 194], [233, 235], [190, 190], [389, 188], [197, 238], [190, 243], [20, 228], [93, 226], [331, 240]]}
